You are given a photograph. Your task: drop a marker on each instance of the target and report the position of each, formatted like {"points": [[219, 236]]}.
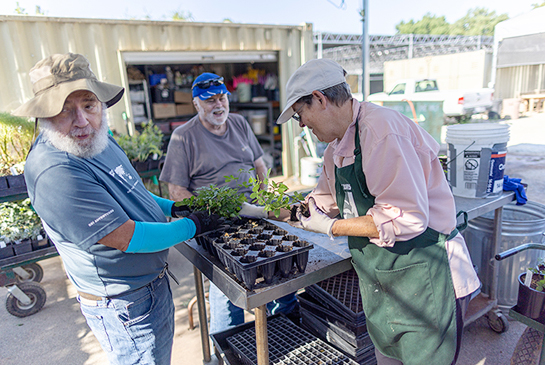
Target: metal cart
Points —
{"points": [[21, 275], [528, 349]]}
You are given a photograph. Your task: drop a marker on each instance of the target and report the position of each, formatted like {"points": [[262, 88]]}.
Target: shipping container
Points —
{"points": [[113, 46]]}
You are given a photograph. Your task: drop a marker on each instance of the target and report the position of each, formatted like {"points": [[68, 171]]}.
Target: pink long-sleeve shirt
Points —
{"points": [[403, 173]]}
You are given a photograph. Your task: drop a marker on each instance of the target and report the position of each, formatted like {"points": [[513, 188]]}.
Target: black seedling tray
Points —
{"points": [[288, 344], [364, 355], [256, 248], [342, 292], [343, 339], [330, 315]]}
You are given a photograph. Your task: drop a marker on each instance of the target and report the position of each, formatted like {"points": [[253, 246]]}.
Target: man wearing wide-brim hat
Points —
{"points": [[111, 233], [382, 176]]}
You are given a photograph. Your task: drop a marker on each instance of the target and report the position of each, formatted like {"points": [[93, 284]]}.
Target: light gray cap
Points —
{"points": [[318, 75]]}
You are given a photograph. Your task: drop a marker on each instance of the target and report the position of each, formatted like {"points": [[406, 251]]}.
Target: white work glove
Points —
{"points": [[318, 221], [252, 211]]}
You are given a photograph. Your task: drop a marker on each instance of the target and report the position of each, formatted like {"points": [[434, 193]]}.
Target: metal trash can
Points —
{"points": [[520, 224], [429, 114]]}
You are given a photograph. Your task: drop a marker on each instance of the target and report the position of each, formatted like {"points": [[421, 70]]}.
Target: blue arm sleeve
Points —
{"points": [[164, 204], [154, 237]]}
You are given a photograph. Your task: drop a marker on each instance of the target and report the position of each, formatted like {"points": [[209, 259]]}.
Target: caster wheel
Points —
{"points": [[497, 321], [36, 273], [37, 300]]}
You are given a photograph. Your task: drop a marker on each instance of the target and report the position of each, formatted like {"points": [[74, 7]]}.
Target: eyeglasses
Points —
{"points": [[206, 84], [296, 115]]}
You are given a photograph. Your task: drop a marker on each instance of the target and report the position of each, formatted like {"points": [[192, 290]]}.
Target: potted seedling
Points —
{"points": [[143, 149], [16, 136], [20, 226], [531, 296]]}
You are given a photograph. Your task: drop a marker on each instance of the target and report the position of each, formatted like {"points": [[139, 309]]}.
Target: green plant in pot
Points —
{"points": [[144, 147], [19, 222], [16, 135], [531, 296]]}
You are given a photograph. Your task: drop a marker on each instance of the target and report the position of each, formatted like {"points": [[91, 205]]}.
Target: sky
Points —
{"points": [[331, 16]]}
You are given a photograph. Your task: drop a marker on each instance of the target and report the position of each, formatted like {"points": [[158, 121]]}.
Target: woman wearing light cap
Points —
{"points": [[382, 176]]}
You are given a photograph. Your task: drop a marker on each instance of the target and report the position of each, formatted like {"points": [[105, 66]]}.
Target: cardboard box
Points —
{"points": [[164, 110], [185, 109], [183, 97]]}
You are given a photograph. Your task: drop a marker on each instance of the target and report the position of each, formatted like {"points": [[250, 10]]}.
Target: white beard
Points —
{"points": [[88, 148]]}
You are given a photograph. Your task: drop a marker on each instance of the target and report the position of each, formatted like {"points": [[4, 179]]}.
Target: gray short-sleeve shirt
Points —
{"points": [[82, 200], [196, 157]]}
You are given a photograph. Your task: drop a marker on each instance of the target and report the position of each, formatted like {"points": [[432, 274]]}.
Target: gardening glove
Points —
{"points": [[252, 211], [204, 222], [318, 221], [179, 211], [513, 184]]}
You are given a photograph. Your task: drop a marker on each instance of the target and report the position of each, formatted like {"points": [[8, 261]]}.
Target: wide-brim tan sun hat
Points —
{"points": [[56, 77], [318, 74]]}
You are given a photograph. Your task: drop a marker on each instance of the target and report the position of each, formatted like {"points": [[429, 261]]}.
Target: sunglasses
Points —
{"points": [[206, 84], [296, 115]]}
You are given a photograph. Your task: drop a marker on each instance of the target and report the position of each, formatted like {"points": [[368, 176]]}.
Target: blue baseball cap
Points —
{"points": [[207, 85]]}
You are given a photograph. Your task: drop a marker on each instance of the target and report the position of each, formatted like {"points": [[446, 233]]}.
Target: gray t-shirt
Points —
{"points": [[196, 157], [82, 200]]}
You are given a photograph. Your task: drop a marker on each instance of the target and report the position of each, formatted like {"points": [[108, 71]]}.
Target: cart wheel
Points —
{"points": [[37, 300], [528, 349], [497, 321], [36, 273]]}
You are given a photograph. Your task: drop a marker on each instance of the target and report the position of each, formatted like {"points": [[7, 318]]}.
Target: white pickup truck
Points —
{"points": [[456, 103]]}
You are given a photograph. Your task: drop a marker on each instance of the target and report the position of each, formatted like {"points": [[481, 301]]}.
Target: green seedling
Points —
{"points": [[223, 201], [275, 197]]}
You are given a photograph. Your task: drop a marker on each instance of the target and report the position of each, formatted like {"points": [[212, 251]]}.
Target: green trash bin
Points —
{"points": [[429, 114]]}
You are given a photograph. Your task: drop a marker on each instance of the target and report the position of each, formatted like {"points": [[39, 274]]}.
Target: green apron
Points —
{"points": [[407, 291]]}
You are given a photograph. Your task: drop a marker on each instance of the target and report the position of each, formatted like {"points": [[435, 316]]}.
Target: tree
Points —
{"points": [[478, 21], [19, 9], [535, 6], [430, 24], [182, 16]]}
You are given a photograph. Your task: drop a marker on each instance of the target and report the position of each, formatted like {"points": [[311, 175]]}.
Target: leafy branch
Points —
{"points": [[224, 201], [275, 197]]}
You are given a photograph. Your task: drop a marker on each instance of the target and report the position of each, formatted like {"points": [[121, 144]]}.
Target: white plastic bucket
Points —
{"points": [[476, 154], [311, 169]]}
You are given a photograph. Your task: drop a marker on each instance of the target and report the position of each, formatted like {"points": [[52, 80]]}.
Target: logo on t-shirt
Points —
{"points": [[124, 177]]}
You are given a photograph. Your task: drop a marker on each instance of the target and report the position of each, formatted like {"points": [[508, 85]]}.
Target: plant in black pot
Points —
{"points": [[143, 149], [531, 296], [19, 226], [16, 135]]}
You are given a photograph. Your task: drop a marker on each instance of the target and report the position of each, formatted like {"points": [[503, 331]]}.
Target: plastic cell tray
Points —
{"points": [[360, 349], [327, 313], [256, 248], [342, 292], [288, 344]]}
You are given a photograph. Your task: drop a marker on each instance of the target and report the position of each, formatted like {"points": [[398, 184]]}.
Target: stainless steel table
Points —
{"points": [[328, 258]]}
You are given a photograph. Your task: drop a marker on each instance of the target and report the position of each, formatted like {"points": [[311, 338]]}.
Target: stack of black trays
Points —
{"points": [[288, 345], [332, 310]]}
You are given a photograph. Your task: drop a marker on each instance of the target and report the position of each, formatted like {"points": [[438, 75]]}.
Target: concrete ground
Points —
{"points": [[58, 333]]}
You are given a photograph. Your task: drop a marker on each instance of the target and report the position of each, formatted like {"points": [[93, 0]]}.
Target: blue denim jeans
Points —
{"points": [[225, 315], [135, 328]]}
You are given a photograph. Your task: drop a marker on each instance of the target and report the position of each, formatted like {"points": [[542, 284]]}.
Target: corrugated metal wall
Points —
{"points": [[467, 70], [511, 82], [24, 40]]}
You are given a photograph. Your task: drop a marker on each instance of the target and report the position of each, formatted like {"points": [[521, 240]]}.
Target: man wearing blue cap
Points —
{"points": [[210, 146]]}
